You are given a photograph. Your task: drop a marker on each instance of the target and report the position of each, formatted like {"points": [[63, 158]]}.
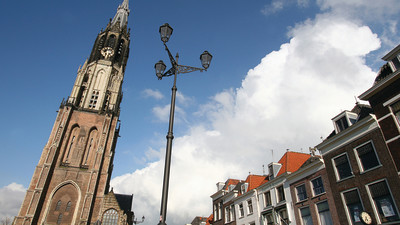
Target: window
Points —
{"points": [[241, 211], [215, 212], [318, 186], [342, 124], [301, 192], [305, 214], [324, 213], [396, 63], [243, 188], [220, 211], [344, 120], [93, 99], [343, 169], [88, 151], [267, 199], [68, 207], [396, 110], [110, 217], [281, 193], [58, 205], [367, 156], [232, 212], [59, 219], [70, 147], [383, 202], [269, 219], [227, 214], [353, 205], [282, 216], [250, 206]]}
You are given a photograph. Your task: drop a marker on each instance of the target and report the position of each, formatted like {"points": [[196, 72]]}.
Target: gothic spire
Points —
{"points": [[122, 14]]}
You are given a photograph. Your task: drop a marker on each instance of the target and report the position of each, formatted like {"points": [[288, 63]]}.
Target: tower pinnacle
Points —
{"points": [[122, 14]]}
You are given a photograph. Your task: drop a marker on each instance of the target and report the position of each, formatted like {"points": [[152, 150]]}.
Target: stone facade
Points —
{"points": [[71, 181]]}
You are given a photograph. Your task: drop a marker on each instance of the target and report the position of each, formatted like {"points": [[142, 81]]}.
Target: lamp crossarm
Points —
{"points": [[170, 72], [171, 58], [188, 69]]}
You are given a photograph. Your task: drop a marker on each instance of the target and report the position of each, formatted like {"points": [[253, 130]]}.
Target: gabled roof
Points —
{"points": [[255, 180], [125, 202], [292, 161]]}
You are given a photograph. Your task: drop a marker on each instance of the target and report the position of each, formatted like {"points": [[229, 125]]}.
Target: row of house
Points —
{"points": [[354, 180]]}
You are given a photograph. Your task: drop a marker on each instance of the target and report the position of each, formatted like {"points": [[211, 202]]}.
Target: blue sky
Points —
{"points": [[281, 70]]}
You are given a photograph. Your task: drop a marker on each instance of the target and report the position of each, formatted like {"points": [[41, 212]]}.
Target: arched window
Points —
{"points": [[90, 147], [70, 145], [68, 206], [59, 218], [58, 205], [111, 41], [110, 217]]}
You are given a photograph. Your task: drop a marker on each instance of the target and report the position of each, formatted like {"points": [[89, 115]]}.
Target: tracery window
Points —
{"points": [[110, 217], [93, 99], [59, 219], [58, 205], [68, 206]]}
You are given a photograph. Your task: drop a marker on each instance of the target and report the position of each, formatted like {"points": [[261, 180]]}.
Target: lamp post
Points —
{"points": [[205, 57]]}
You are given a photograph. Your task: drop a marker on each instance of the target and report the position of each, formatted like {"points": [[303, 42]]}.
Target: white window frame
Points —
{"points": [[345, 205], [301, 216], [337, 172], [359, 163], [348, 116], [376, 213], [318, 213], [241, 211], [297, 192], [312, 186], [227, 210], [265, 199], [278, 200], [250, 206]]}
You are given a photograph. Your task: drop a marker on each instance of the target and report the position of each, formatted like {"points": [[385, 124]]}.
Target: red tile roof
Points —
{"points": [[255, 180], [210, 219], [292, 161], [230, 182]]}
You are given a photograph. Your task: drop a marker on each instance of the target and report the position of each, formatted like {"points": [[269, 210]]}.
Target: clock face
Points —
{"points": [[366, 218], [107, 52]]}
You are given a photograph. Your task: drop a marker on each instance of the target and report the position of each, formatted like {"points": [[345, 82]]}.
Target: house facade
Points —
{"points": [[362, 154], [274, 198], [312, 199]]}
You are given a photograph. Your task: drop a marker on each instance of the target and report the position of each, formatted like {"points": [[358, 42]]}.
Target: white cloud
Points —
{"points": [[11, 197], [156, 94], [275, 6], [162, 113], [285, 102]]}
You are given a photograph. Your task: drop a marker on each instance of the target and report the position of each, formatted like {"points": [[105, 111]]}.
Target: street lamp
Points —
{"points": [[205, 58]]}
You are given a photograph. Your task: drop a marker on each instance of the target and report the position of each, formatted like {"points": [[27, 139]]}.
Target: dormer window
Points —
{"points": [[344, 120], [273, 169], [243, 188], [231, 187], [395, 63]]}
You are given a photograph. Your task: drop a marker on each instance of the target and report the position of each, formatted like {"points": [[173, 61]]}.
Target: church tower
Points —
{"points": [[70, 184]]}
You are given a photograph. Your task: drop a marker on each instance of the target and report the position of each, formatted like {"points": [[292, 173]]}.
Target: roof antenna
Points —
{"points": [[272, 153], [263, 169]]}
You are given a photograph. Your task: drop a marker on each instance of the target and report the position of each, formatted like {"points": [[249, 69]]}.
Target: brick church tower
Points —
{"points": [[70, 184]]}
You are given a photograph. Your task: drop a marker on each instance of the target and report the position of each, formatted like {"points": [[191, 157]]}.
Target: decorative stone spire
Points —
{"points": [[122, 15]]}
